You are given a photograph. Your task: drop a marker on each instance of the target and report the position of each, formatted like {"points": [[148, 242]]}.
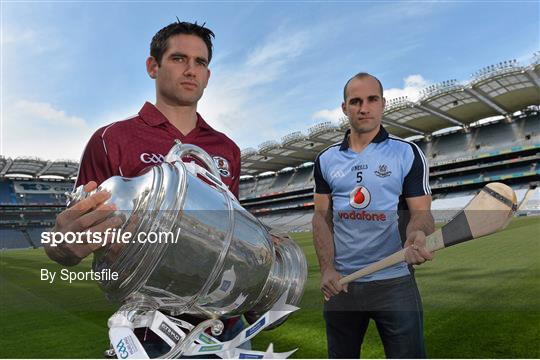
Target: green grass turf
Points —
{"points": [[481, 300]]}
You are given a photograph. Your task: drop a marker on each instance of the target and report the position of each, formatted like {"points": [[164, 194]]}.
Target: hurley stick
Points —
{"points": [[488, 212]]}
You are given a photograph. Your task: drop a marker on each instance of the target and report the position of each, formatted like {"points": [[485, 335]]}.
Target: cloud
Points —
{"points": [[413, 84], [28, 41], [231, 104], [279, 49], [52, 116], [237, 103], [38, 128], [12, 37], [329, 115]]}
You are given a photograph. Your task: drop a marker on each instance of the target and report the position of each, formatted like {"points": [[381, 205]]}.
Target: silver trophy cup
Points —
{"points": [[214, 258]]}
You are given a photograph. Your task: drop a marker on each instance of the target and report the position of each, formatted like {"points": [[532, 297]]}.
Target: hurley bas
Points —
{"points": [[71, 276]]}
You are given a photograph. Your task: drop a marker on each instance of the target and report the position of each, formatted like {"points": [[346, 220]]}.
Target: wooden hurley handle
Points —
{"points": [[488, 212], [434, 242]]}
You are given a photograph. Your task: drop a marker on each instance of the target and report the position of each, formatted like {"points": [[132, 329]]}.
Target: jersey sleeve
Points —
{"points": [[95, 164], [321, 186], [416, 182]]}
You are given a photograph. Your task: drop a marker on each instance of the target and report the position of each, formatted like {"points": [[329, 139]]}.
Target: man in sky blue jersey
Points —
{"points": [[366, 187]]}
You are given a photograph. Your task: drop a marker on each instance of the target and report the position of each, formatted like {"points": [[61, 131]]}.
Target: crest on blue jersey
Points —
{"points": [[383, 171]]}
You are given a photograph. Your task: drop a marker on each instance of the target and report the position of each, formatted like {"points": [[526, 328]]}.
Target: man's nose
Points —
{"points": [[364, 108], [190, 67]]}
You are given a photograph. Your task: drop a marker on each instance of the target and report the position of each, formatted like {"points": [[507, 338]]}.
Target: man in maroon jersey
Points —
{"points": [[178, 62]]}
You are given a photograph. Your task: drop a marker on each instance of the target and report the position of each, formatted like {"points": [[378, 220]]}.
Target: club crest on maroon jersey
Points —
{"points": [[222, 165], [360, 197]]}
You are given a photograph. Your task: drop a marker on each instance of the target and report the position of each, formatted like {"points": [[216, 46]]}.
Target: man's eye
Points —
{"points": [[178, 59]]}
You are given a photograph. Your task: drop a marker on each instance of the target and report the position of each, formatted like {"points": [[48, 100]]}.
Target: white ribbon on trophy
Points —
{"points": [[127, 346]]}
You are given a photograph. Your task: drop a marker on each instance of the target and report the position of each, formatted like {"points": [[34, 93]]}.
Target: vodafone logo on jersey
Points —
{"points": [[151, 158], [359, 197]]}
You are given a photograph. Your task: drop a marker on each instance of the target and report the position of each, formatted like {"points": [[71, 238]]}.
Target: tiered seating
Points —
{"points": [[298, 202], [281, 182], [271, 219], [532, 202], [247, 187], [301, 178], [531, 127], [452, 179], [303, 223], [6, 193], [13, 239], [448, 144], [520, 194], [39, 199], [483, 138], [475, 157], [35, 235], [21, 221], [290, 221], [446, 207], [518, 169], [495, 135]]}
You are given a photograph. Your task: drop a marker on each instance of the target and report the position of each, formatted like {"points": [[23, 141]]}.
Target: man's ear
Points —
{"points": [[208, 78], [152, 67], [343, 108]]}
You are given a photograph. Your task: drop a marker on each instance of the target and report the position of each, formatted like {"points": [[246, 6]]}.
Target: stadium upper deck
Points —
{"points": [[500, 89], [36, 168]]}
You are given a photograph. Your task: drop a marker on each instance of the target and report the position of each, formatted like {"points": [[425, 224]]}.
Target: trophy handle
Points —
{"points": [[211, 173], [179, 150]]}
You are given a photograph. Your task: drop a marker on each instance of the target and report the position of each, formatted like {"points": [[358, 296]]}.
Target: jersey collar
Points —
{"points": [[153, 117], [380, 137]]}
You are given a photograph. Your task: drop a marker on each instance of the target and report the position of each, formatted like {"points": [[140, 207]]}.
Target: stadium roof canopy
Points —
{"points": [[500, 89], [36, 168]]}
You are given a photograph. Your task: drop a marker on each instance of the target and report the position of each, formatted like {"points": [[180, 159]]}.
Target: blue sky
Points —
{"points": [[69, 68]]}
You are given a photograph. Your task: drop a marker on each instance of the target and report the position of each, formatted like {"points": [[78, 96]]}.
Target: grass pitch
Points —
{"points": [[481, 300]]}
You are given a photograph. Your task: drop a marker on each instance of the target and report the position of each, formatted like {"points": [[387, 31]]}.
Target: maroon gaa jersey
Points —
{"points": [[126, 147]]}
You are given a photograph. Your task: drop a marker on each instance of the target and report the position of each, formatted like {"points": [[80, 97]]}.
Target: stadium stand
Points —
{"points": [[29, 206], [520, 194], [531, 202], [289, 222], [247, 186], [302, 178], [487, 129], [482, 131], [530, 128], [263, 184], [448, 144], [282, 181], [14, 239], [35, 235], [445, 207], [7, 196]]}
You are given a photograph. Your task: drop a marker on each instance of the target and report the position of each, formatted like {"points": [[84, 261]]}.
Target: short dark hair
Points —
{"points": [[160, 41], [361, 75]]}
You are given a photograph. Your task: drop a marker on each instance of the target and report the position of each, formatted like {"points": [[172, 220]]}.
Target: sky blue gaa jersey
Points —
{"points": [[367, 190]]}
